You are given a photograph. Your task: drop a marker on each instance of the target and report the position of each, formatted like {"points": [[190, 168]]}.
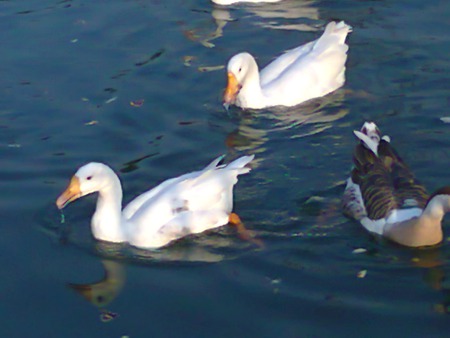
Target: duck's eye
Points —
{"points": [[240, 68], [89, 178]]}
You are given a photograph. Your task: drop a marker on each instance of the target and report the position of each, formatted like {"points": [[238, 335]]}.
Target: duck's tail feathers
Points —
{"points": [[240, 164], [370, 136], [340, 29], [214, 163], [352, 201], [332, 43]]}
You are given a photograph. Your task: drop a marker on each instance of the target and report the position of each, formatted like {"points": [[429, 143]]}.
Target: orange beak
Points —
{"points": [[233, 88], [71, 193]]}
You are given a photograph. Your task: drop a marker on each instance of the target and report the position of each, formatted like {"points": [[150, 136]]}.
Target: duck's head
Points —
{"points": [[237, 69], [90, 178]]}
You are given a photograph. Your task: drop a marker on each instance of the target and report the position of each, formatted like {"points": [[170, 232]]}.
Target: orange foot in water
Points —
{"points": [[243, 232]]}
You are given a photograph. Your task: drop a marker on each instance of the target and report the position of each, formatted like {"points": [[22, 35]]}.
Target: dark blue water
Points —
{"points": [[69, 71]]}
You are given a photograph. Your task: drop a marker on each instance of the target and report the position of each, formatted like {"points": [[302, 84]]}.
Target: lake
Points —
{"points": [[138, 85]]}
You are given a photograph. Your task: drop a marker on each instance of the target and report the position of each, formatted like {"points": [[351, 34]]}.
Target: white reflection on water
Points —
{"points": [[282, 15], [306, 119], [286, 15]]}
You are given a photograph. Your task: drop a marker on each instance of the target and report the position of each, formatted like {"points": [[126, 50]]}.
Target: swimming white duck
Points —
{"points": [[300, 74], [188, 204], [385, 197], [229, 2]]}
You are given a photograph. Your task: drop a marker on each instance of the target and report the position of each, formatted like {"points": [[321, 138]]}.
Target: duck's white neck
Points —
{"points": [[107, 223], [251, 94], [437, 207]]}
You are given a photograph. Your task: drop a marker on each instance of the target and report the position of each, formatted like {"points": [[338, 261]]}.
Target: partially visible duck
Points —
{"points": [[300, 74], [385, 197], [229, 2], [188, 204]]}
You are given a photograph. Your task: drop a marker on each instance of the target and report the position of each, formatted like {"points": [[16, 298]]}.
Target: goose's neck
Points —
{"points": [[251, 93], [436, 208], [423, 230], [107, 222]]}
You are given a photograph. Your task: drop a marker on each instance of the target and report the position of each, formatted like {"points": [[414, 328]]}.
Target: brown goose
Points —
{"points": [[385, 197]]}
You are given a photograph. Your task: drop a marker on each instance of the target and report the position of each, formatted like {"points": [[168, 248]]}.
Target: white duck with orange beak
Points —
{"points": [[188, 204], [300, 74]]}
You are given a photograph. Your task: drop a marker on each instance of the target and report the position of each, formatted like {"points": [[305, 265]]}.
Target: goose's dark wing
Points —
{"points": [[385, 181]]}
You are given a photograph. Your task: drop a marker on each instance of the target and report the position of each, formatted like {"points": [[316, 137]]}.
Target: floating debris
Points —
{"points": [[137, 103], [361, 274], [91, 123], [188, 59], [151, 58], [275, 283], [107, 316], [111, 100], [14, 145], [74, 40], [445, 119], [210, 69], [359, 251]]}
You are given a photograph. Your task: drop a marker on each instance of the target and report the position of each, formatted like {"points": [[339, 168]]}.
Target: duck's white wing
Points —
{"points": [[277, 66], [312, 70], [206, 193], [135, 204], [213, 188], [203, 190]]}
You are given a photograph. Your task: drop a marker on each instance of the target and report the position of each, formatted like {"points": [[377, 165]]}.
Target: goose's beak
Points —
{"points": [[71, 193], [232, 90]]}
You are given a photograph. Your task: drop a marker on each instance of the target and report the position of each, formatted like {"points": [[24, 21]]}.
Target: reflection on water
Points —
{"points": [[212, 246], [102, 293], [432, 262], [287, 15], [181, 251], [318, 114], [310, 118], [281, 15]]}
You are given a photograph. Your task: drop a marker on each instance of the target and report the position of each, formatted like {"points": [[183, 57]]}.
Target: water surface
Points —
{"points": [[69, 72]]}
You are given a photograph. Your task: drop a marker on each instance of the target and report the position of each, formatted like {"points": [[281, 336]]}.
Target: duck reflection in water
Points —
{"points": [[103, 292], [285, 15], [255, 128], [432, 261]]}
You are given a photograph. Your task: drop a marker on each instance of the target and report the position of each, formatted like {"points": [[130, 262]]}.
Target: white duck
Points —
{"points": [[188, 204], [229, 2], [387, 199], [306, 72]]}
